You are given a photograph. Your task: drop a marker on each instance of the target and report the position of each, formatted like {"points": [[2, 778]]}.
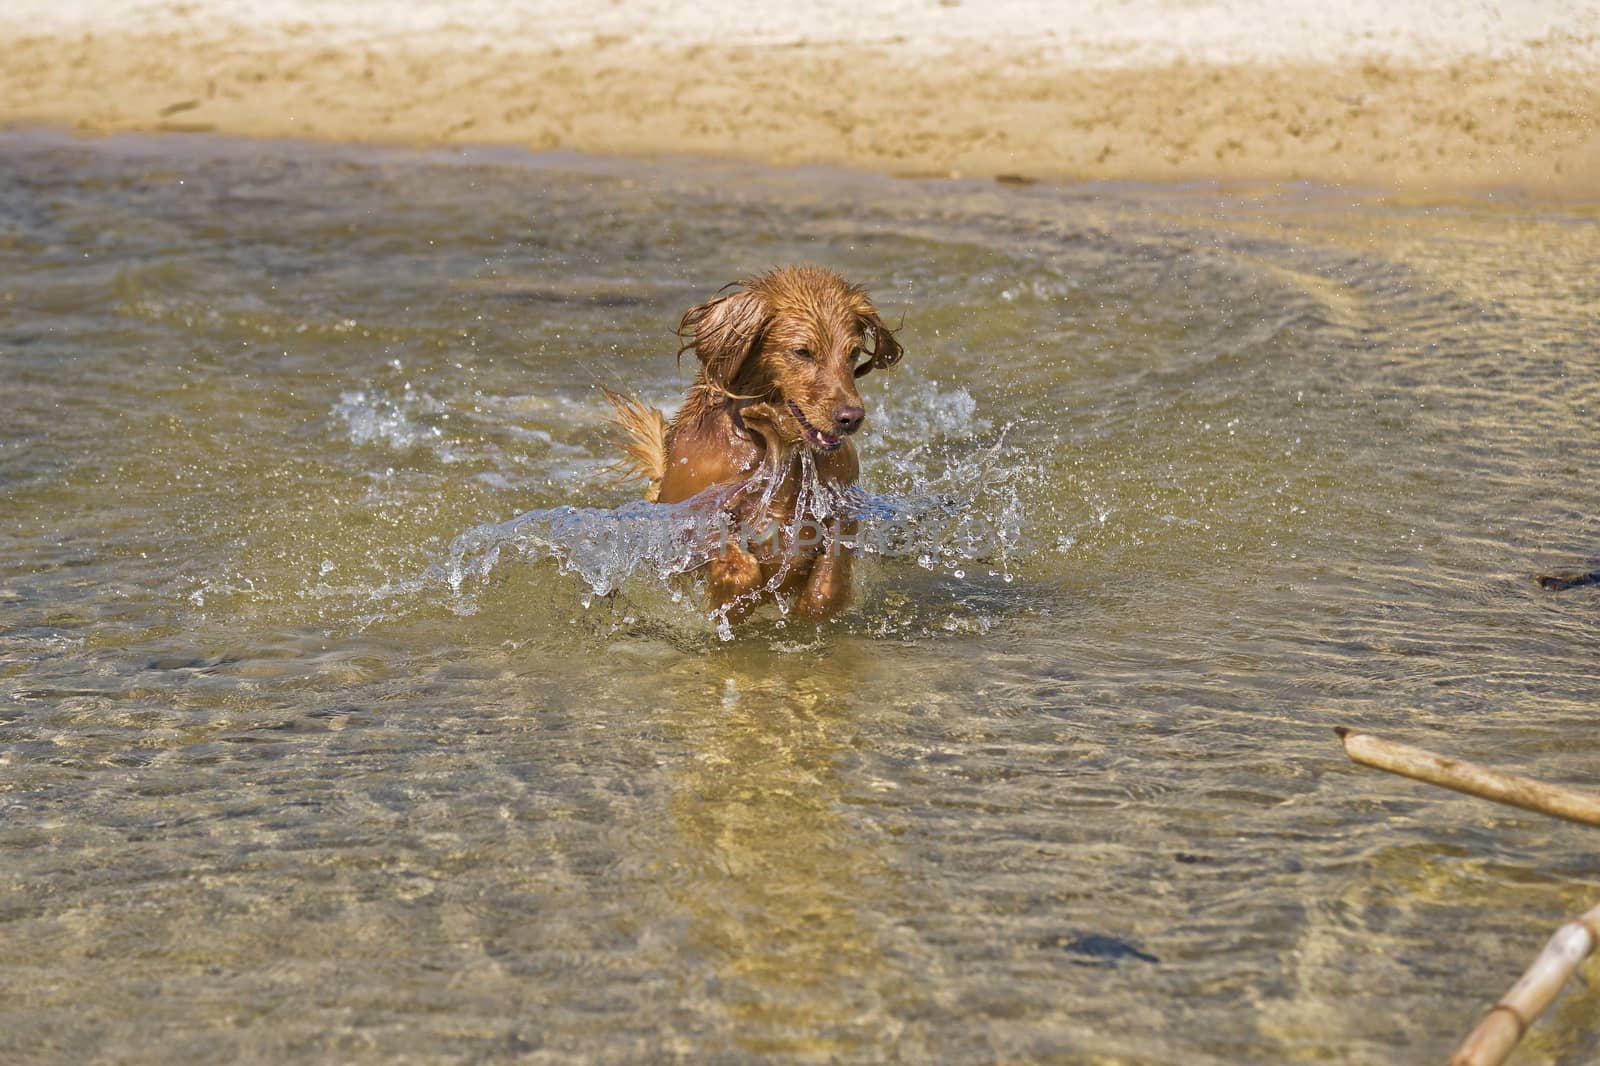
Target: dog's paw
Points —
{"points": [[735, 574]]}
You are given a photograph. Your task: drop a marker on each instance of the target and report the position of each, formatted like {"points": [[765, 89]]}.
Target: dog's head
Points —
{"points": [[796, 338]]}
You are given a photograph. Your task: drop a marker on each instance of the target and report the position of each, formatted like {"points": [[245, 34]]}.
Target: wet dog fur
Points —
{"points": [[779, 357]]}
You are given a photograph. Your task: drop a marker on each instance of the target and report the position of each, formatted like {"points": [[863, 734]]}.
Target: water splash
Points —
{"points": [[973, 514]]}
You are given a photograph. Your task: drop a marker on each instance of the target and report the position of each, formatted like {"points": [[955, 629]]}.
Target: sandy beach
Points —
{"points": [[1432, 98]]}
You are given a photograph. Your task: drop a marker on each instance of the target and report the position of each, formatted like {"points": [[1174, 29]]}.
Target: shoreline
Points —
{"points": [[910, 108]]}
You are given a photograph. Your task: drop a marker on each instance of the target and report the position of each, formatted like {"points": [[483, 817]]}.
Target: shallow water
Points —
{"points": [[292, 765]]}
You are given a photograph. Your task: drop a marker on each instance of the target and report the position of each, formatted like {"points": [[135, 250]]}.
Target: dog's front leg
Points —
{"points": [[732, 577], [827, 589]]}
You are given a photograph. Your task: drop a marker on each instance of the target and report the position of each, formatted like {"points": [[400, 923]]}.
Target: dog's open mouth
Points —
{"points": [[822, 442]]}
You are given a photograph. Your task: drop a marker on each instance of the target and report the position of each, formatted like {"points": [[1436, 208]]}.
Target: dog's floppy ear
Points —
{"points": [[723, 332], [886, 349]]}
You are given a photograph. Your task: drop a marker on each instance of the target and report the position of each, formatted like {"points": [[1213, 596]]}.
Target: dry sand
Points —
{"points": [[1442, 96]]}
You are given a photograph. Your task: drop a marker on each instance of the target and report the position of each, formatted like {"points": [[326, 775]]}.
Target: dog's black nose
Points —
{"points": [[848, 417]]}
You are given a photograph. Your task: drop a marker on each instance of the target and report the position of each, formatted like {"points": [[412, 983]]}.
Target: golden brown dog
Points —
{"points": [[770, 417]]}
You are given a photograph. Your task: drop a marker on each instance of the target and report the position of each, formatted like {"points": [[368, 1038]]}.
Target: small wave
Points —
{"points": [[919, 411], [372, 417]]}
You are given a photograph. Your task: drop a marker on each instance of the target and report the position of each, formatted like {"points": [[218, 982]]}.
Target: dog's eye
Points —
{"points": [[805, 353]]}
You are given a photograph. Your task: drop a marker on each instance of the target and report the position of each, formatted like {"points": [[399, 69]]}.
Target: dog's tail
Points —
{"points": [[644, 452]]}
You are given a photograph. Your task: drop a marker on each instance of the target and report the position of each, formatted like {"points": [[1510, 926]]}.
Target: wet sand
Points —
{"points": [[971, 99]]}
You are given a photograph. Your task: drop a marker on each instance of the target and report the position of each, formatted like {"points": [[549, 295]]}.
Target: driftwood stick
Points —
{"points": [[1471, 778], [1503, 1026], [1507, 1020]]}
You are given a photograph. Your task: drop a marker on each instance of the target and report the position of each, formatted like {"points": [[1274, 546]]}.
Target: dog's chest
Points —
{"points": [[704, 456]]}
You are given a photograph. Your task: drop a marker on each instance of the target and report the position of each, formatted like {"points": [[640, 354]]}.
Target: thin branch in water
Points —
{"points": [[1507, 1020], [1471, 778]]}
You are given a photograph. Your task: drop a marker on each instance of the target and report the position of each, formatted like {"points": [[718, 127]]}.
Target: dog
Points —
{"points": [[768, 424]]}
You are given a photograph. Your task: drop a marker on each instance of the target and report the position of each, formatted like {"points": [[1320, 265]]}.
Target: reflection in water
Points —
{"points": [[785, 896]]}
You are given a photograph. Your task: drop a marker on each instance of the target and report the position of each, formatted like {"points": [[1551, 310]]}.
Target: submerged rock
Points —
{"points": [[1560, 582], [1099, 947]]}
